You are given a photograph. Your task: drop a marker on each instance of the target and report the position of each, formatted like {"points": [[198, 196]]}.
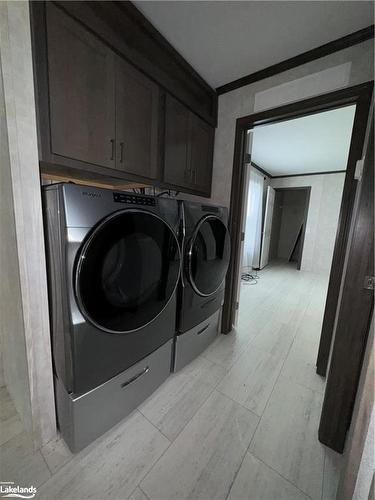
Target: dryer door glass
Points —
{"points": [[209, 255], [127, 271]]}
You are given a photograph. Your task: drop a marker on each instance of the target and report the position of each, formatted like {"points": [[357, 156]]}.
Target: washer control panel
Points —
{"points": [[133, 199]]}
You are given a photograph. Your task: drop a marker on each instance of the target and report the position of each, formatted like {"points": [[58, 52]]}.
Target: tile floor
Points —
{"points": [[240, 422]]}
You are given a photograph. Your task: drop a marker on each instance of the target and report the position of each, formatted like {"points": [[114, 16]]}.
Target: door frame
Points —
{"points": [[263, 233], [360, 95], [306, 211]]}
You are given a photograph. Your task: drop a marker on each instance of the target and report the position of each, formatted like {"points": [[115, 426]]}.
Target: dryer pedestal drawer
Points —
{"points": [[84, 418], [191, 343]]}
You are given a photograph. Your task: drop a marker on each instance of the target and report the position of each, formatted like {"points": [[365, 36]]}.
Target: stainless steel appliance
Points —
{"points": [[114, 264], [205, 242]]}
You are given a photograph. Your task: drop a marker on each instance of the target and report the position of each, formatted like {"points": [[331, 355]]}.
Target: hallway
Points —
{"points": [[240, 422]]}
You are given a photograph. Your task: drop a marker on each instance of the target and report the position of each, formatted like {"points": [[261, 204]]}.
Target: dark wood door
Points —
{"points": [[82, 92], [177, 169], [353, 315], [201, 154], [137, 121]]}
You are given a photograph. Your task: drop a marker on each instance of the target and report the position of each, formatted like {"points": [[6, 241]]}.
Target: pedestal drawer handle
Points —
{"points": [[133, 379], [203, 329]]}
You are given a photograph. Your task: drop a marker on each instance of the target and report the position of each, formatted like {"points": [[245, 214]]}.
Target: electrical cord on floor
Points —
{"points": [[250, 277]]}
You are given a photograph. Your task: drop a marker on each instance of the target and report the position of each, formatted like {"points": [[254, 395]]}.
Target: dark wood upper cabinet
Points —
{"points": [[130, 33], [137, 121], [177, 169], [188, 149], [115, 102], [81, 92], [201, 154]]}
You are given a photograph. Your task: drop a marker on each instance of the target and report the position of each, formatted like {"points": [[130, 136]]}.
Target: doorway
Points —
{"points": [[360, 96], [288, 161], [282, 314], [290, 211]]}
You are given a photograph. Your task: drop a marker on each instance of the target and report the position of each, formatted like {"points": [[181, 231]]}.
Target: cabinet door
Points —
{"points": [[201, 154], [177, 136], [81, 87], [137, 119]]}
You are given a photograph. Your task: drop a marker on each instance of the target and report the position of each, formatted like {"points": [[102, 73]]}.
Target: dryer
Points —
{"points": [[114, 264], [205, 242]]}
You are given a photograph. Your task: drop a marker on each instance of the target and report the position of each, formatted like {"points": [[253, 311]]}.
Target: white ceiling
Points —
{"points": [[314, 143], [225, 40]]}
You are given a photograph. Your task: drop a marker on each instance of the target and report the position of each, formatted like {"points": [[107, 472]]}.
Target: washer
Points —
{"points": [[205, 244], [114, 264]]}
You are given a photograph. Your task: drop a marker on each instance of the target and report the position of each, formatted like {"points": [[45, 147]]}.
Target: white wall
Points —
{"points": [[322, 218], [346, 68]]}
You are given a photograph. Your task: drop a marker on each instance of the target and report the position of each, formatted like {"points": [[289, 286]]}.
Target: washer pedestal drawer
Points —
{"points": [[191, 343], [83, 418]]}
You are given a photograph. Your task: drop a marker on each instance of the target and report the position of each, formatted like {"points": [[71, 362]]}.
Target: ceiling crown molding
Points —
{"points": [[321, 51]]}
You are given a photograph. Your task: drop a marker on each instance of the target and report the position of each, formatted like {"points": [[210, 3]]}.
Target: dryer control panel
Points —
{"points": [[134, 199]]}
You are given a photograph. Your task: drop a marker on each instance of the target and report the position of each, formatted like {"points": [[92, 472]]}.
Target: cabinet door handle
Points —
{"points": [[112, 149], [121, 152]]}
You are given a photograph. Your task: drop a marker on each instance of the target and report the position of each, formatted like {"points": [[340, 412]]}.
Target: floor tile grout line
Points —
{"points": [[212, 391], [14, 435], [133, 491], [259, 416], [154, 426], [46, 481], [228, 368], [277, 380], [272, 391], [309, 388], [243, 458], [237, 402], [323, 475], [172, 442], [109, 430], [213, 387], [247, 449], [152, 466], [236, 473], [145, 494], [45, 461], [281, 475]]}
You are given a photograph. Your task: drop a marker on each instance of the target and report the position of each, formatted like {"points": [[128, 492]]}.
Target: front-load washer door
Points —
{"points": [[208, 255], [127, 271]]}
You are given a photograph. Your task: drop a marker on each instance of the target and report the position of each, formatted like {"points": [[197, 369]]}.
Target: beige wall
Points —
{"points": [[322, 217], [12, 335], [342, 69], [25, 300]]}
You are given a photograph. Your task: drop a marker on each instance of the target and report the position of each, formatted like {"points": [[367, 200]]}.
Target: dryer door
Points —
{"points": [[208, 255], [127, 271]]}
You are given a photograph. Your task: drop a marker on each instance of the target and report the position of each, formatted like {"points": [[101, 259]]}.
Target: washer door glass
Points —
{"points": [[127, 271], [209, 255]]}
